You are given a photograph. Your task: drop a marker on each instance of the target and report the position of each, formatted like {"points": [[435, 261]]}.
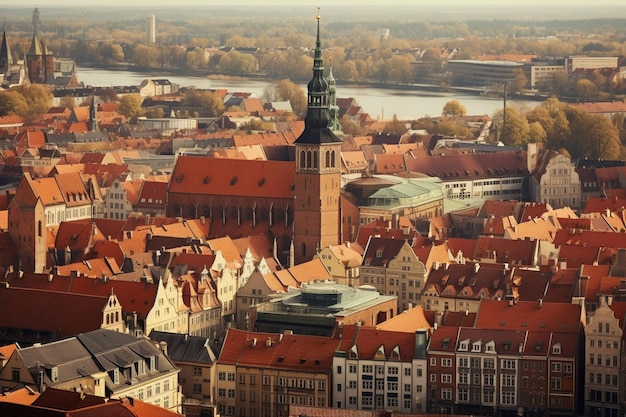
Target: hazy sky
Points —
{"points": [[313, 3]]}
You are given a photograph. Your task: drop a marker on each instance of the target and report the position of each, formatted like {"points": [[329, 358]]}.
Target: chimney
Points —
{"points": [[254, 342], [268, 342], [476, 267], [163, 346], [539, 303]]}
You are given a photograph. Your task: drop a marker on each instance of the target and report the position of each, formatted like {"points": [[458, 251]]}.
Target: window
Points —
{"points": [[507, 364], [338, 387], [446, 378], [446, 394], [367, 384], [407, 371], [352, 369], [447, 362], [339, 370], [367, 369], [433, 361], [352, 384], [555, 383]]}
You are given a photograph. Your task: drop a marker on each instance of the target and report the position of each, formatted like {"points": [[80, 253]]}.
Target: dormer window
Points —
{"points": [[476, 346], [464, 345], [556, 349], [379, 253]]}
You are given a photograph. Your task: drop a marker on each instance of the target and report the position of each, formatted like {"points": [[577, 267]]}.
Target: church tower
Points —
{"points": [[333, 108], [39, 60], [5, 54], [318, 171]]}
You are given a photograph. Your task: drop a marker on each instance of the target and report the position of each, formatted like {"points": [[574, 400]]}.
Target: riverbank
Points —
{"points": [[268, 79]]}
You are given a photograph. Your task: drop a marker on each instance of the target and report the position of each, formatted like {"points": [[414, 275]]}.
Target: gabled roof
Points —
{"points": [[186, 348], [408, 321], [379, 251]]}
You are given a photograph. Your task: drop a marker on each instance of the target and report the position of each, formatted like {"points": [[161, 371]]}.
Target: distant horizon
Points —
{"points": [[307, 3]]}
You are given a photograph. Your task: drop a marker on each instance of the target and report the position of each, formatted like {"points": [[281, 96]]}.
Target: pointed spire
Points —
{"points": [[333, 109], [5, 54], [316, 129]]}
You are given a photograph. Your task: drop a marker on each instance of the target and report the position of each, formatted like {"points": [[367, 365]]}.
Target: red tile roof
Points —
{"points": [[136, 297], [43, 313], [228, 177], [271, 350], [529, 315]]}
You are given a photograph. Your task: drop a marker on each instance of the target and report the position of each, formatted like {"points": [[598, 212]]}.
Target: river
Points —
{"points": [[380, 103]]}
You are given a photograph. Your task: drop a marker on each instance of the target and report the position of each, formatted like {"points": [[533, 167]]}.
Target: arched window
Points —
{"points": [[176, 211], [249, 213], [302, 159], [234, 212], [39, 228], [327, 160], [315, 164], [332, 159], [308, 159]]}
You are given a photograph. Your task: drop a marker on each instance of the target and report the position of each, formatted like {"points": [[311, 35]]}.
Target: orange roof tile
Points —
{"points": [[408, 321], [269, 350], [201, 175], [529, 315]]}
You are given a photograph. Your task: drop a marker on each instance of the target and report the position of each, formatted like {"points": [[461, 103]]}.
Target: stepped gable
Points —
{"points": [[233, 177]]}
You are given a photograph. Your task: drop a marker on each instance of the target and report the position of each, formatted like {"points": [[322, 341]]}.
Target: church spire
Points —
{"points": [[316, 129], [333, 109]]}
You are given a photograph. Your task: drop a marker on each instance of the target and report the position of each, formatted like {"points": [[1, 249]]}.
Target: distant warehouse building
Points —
{"points": [[471, 73]]}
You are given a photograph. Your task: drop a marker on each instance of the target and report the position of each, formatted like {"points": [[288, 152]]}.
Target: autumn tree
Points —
{"points": [[27, 101], [257, 125], [203, 102], [288, 91], [395, 126], [519, 81], [512, 127], [586, 89], [349, 127], [68, 102], [454, 108], [130, 107], [12, 103]]}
